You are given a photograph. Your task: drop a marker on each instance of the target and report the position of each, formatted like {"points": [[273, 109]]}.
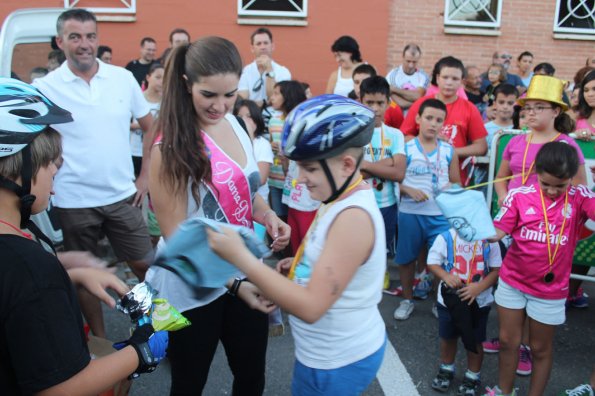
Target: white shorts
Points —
{"points": [[549, 312]]}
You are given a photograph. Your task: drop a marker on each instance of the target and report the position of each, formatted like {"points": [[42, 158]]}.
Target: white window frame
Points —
{"points": [[561, 29], [472, 24], [244, 12], [128, 9]]}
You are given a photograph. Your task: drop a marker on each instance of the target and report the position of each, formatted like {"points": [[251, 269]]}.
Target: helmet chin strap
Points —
{"points": [[336, 193], [23, 191]]}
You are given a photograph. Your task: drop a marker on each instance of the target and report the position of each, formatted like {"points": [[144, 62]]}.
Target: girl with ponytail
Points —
{"points": [[202, 165]]}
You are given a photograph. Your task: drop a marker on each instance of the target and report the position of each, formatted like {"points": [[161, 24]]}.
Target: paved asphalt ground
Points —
{"points": [[416, 344]]}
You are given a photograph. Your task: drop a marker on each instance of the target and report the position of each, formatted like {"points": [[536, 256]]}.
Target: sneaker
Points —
{"points": [[397, 291], [581, 390], [525, 364], [442, 381], [404, 311], [435, 310], [495, 391], [579, 300], [491, 346], [469, 387], [422, 290]]}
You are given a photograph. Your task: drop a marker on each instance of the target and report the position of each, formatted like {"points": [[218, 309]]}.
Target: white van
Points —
{"points": [[22, 28]]}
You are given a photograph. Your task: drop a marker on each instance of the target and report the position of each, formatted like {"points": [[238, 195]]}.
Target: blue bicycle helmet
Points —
{"points": [[324, 127], [24, 114]]}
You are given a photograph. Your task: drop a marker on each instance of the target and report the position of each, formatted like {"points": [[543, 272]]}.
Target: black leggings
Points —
{"points": [[244, 335]]}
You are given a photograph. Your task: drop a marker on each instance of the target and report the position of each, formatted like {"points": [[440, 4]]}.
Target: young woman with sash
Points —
{"points": [[203, 165]]}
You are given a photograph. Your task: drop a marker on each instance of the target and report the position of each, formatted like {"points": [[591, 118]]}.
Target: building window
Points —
{"points": [[473, 13], [114, 10], [575, 16], [273, 8]]}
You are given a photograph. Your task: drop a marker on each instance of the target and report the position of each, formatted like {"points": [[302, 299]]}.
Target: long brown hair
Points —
{"points": [[183, 150]]}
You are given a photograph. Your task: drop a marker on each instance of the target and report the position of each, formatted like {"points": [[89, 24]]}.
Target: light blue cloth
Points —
{"points": [[187, 253], [467, 212]]}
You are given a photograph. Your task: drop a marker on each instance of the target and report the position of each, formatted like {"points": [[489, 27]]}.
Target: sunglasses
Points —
{"points": [[258, 85], [505, 56]]}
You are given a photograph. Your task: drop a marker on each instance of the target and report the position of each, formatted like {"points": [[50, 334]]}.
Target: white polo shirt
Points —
{"points": [[250, 80], [97, 169]]}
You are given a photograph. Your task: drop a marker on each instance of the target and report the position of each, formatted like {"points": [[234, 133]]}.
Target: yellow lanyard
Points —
{"points": [[523, 177], [551, 257], [323, 209], [454, 243], [381, 146]]}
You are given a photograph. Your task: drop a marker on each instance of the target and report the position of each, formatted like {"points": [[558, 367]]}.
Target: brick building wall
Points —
{"points": [[526, 25], [382, 28], [305, 50]]}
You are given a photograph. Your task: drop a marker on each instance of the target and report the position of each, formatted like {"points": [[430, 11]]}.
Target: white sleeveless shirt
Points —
{"points": [[352, 328], [170, 286], [343, 85]]}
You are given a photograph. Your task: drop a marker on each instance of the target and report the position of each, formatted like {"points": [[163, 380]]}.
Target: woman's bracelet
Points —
{"points": [[268, 212]]}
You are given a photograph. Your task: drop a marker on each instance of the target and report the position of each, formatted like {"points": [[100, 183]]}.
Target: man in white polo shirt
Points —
{"points": [[95, 191], [259, 77]]}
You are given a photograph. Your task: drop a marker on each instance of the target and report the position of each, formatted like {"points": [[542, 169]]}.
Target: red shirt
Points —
{"points": [[393, 116], [463, 123]]}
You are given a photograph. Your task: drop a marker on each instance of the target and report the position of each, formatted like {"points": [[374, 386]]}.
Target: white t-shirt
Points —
{"points": [[399, 79], [425, 175], [297, 197], [172, 287], [352, 328], [463, 266], [251, 79], [136, 135], [263, 153], [97, 169]]}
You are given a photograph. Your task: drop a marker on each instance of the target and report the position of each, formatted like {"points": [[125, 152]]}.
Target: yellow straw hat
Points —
{"points": [[547, 88]]}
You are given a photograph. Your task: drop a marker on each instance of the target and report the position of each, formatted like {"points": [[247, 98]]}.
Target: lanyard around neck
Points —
{"points": [[381, 146], [321, 211], [523, 177], [551, 257]]}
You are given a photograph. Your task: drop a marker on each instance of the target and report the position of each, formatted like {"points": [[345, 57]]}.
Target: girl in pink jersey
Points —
{"points": [[547, 121], [544, 220]]}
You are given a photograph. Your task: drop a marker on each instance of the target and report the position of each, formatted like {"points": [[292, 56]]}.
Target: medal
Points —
{"points": [[379, 186], [549, 277]]}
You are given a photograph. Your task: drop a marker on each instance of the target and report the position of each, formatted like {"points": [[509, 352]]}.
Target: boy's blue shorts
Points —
{"points": [[415, 231], [448, 331], [349, 380]]}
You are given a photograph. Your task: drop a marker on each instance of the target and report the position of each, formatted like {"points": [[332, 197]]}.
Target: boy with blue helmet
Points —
{"points": [[42, 343], [333, 285]]}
